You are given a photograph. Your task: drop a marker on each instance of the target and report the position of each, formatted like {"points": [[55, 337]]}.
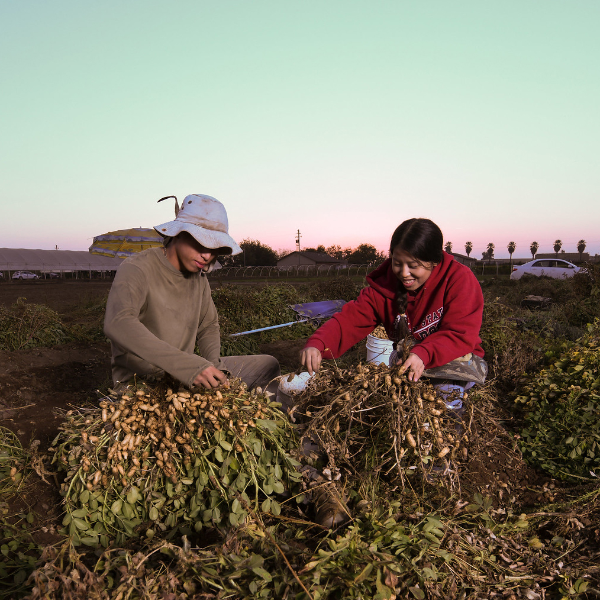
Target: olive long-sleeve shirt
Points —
{"points": [[154, 317]]}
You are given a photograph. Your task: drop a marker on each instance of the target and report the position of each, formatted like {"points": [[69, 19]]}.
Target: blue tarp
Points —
{"points": [[318, 310]]}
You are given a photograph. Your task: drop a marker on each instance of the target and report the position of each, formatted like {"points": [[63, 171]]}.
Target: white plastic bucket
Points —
{"points": [[378, 350], [288, 389]]}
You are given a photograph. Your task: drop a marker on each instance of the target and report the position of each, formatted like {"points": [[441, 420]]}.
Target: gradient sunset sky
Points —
{"points": [[337, 118]]}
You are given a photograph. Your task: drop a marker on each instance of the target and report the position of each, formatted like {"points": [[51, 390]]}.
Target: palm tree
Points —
{"points": [[581, 248], [557, 247], [468, 248], [533, 249], [490, 251], [448, 247], [511, 248]]}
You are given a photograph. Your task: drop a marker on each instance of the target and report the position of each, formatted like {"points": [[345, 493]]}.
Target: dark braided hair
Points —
{"points": [[423, 240]]}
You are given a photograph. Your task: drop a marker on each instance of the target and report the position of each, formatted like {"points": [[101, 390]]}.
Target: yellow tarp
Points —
{"points": [[125, 242]]}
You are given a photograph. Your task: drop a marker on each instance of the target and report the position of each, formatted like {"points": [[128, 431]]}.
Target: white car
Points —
{"points": [[25, 275], [549, 267]]}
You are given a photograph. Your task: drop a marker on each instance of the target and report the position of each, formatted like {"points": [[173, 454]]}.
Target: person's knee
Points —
{"points": [[272, 368]]}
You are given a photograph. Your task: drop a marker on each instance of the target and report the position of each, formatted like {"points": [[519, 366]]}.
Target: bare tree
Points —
{"points": [[448, 247], [533, 249], [557, 247], [469, 248], [512, 246], [581, 248]]}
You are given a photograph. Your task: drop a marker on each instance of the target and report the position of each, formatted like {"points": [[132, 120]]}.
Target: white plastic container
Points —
{"points": [[378, 350], [288, 389]]}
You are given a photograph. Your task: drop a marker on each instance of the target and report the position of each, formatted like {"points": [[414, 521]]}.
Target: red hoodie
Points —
{"points": [[444, 314]]}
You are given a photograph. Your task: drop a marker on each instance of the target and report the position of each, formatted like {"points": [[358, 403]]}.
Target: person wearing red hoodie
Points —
{"points": [[421, 295]]}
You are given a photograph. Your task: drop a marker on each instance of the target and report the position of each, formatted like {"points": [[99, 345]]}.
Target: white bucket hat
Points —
{"points": [[205, 219]]}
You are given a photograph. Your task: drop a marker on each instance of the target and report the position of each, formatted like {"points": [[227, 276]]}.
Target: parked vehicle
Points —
{"points": [[549, 267], [25, 275], [53, 275]]}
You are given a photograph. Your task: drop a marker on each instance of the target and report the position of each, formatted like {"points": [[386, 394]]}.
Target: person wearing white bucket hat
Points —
{"points": [[205, 219], [160, 308]]}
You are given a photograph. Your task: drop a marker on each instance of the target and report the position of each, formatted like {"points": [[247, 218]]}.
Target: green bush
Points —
{"points": [[245, 308], [561, 431], [510, 349], [24, 325]]}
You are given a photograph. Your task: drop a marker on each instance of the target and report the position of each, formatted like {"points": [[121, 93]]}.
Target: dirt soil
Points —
{"points": [[36, 385], [495, 469]]}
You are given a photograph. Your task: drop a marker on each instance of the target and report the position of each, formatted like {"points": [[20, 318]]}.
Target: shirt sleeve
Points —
{"points": [[355, 321], [458, 333], [208, 338], [123, 327]]}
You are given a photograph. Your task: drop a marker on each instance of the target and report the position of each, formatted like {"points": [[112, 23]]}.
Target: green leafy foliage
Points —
{"points": [[378, 555], [509, 349], [86, 320], [243, 308], [254, 253], [385, 553], [18, 554], [13, 461], [366, 254], [561, 431], [190, 462], [24, 325]]}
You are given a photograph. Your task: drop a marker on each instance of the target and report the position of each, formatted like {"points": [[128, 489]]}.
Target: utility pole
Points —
{"points": [[298, 236]]}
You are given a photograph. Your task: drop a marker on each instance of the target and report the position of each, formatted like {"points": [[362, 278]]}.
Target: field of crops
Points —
{"points": [[173, 493]]}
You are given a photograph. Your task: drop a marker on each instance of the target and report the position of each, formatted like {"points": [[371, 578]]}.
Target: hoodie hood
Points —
{"points": [[385, 282]]}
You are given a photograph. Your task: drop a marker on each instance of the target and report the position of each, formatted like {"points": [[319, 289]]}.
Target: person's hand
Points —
{"points": [[415, 367], [211, 377], [311, 359]]}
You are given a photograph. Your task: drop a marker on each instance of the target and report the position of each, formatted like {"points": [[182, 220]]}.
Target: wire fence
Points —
{"points": [[479, 268], [24, 271], [292, 272], [82, 271]]}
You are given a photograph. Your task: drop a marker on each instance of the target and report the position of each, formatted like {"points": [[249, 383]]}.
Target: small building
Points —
{"points": [[309, 258], [463, 259], [44, 262]]}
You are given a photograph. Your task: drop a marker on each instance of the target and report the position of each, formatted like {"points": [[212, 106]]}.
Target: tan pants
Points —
{"points": [[254, 370]]}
